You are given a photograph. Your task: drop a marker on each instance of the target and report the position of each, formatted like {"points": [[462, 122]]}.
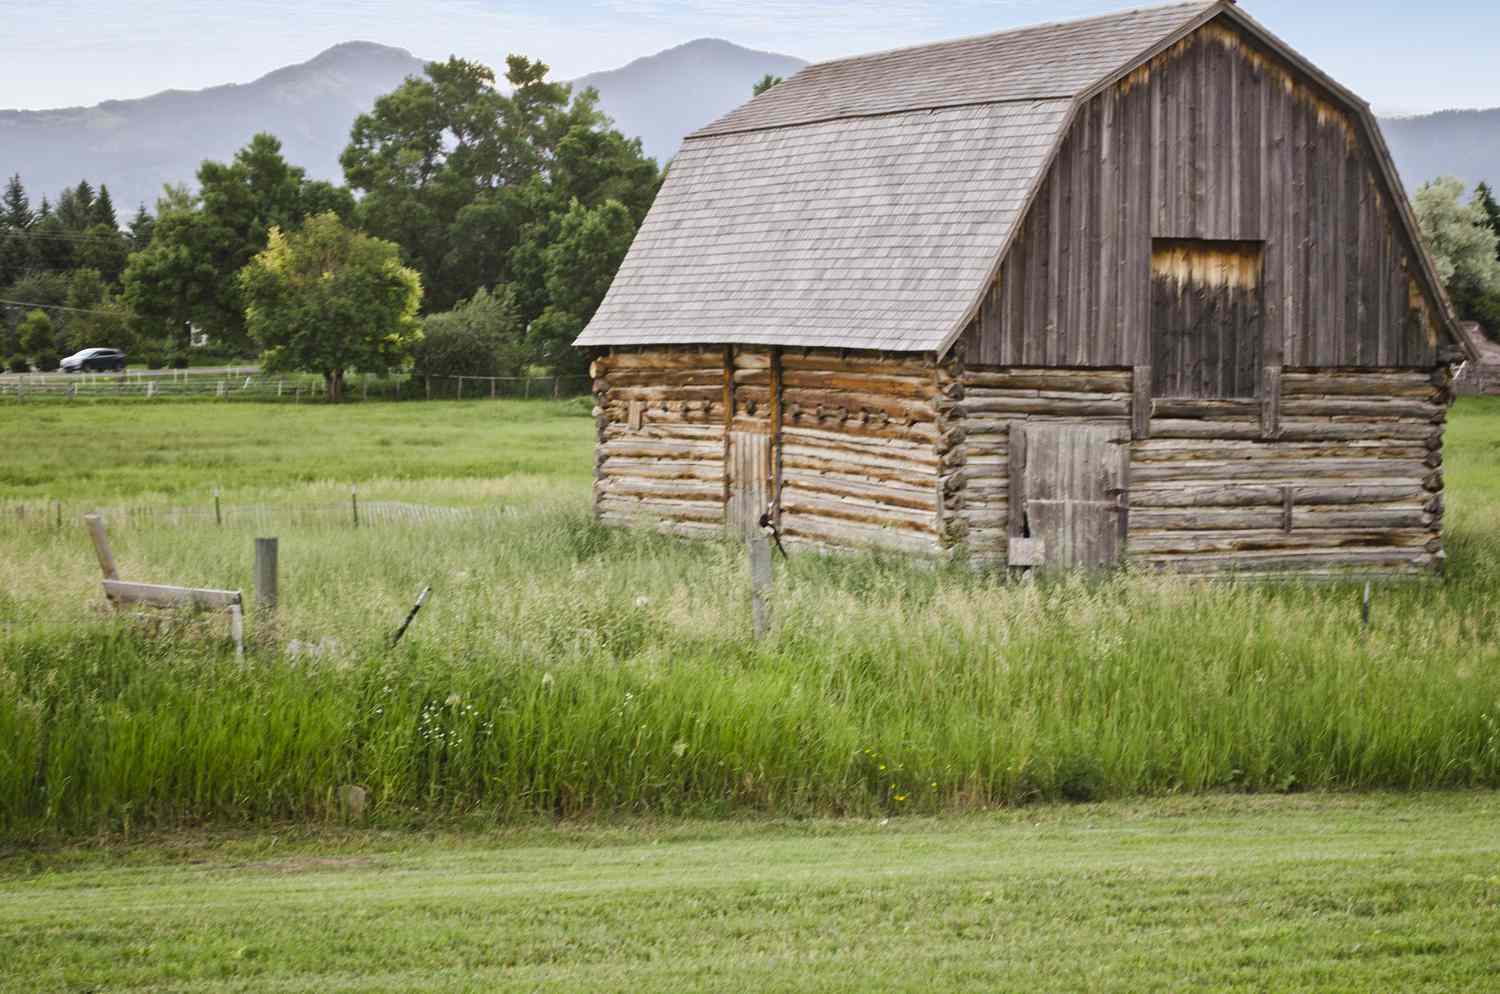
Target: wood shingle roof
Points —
{"points": [[864, 203]]}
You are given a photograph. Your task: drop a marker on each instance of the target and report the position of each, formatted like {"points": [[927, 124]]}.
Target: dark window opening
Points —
{"points": [[1207, 318]]}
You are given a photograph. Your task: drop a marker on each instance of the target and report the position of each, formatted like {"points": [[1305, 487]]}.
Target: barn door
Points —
{"points": [[1074, 493], [749, 479]]}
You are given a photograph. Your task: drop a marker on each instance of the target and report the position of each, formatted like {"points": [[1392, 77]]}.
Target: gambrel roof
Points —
{"points": [[867, 202]]}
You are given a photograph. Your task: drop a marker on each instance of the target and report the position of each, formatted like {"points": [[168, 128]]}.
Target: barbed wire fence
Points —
{"points": [[213, 512]]}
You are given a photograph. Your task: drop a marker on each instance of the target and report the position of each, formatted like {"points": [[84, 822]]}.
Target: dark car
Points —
{"points": [[94, 361]]}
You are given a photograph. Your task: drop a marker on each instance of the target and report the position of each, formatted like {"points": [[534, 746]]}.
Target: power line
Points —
{"points": [[58, 307]]}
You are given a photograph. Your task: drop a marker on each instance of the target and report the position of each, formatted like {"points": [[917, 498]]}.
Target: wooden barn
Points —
{"points": [[1140, 288]]}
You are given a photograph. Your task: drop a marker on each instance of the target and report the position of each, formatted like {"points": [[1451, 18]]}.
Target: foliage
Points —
{"points": [[473, 183], [18, 364], [328, 299], [199, 243], [1465, 249], [481, 336], [97, 317], [15, 206], [579, 265], [37, 335], [765, 83]]}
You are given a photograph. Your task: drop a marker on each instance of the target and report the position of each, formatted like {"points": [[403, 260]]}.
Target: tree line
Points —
{"points": [[476, 232]]}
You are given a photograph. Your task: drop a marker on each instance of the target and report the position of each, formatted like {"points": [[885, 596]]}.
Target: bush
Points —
{"points": [[179, 360], [47, 362], [481, 336], [154, 359], [17, 364]]}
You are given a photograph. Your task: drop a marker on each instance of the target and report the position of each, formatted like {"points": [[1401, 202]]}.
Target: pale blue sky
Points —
{"points": [[1403, 57]]}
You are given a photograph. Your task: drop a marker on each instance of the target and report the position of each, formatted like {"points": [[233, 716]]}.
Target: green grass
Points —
{"points": [[563, 669], [1375, 893]]}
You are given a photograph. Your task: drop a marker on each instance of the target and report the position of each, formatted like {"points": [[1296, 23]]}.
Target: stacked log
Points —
{"points": [[659, 460], [1351, 484], [994, 399], [862, 453]]}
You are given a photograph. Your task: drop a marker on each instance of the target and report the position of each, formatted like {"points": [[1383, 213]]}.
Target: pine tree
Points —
{"points": [[1485, 198], [104, 209], [15, 207], [43, 212], [141, 227]]}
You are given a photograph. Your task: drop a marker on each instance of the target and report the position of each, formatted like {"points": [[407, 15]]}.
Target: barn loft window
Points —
{"points": [[1207, 318]]}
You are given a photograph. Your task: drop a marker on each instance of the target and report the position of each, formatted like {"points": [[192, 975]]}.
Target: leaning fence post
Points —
{"points": [[354, 502], [760, 584], [218, 510], [265, 575], [95, 526]]}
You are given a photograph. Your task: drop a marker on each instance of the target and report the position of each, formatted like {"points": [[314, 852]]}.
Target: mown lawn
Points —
{"points": [[1373, 893]]}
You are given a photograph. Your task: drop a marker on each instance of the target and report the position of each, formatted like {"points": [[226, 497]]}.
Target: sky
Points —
{"points": [[1403, 57]]}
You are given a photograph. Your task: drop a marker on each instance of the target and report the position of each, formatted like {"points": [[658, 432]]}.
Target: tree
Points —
{"points": [[1464, 248], [580, 264], [482, 336], [37, 336], [189, 271], [15, 207], [51, 243], [329, 299], [75, 206], [445, 161], [141, 227], [1485, 198], [766, 82], [95, 316], [104, 209]]}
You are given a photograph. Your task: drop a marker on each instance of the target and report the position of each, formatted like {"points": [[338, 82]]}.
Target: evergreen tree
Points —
{"points": [[1485, 198], [766, 82], [15, 207], [104, 209], [141, 227], [75, 207], [44, 211]]}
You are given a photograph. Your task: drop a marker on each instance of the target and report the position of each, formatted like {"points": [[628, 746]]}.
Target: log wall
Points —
{"points": [[1348, 482], [858, 454], [660, 417]]}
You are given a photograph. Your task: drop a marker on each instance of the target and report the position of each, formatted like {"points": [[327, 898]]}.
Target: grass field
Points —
{"points": [[562, 669], [1377, 893]]}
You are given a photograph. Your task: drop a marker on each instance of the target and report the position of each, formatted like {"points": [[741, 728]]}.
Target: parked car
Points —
{"points": [[94, 361]]}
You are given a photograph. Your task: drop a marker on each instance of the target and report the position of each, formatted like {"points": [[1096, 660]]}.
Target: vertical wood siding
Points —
{"points": [[1215, 139]]}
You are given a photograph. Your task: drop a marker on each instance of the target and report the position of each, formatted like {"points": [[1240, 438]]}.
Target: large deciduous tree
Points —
{"points": [[199, 244], [329, 299], [1465, 249], [473, 183]]}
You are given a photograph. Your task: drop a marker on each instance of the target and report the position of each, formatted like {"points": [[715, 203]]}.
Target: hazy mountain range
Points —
{"points": [[137, 145]]}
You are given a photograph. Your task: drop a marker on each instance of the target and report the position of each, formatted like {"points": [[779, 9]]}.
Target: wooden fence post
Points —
{"points": [[760, 584], [265, 575], [101, 545], [218, 510], [354, 502]]}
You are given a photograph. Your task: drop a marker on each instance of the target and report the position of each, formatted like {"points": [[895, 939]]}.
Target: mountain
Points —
{"points": [[1462, 143], [135, 146], [662, 97]]}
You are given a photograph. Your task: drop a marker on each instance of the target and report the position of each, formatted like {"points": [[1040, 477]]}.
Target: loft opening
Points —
{"points": [[1207, 318]]}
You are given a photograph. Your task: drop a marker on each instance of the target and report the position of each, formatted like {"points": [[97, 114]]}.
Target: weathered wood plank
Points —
{"points": [[162, 595]]}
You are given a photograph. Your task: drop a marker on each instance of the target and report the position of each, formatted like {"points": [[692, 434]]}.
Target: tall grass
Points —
{"points": [[563, 669]]}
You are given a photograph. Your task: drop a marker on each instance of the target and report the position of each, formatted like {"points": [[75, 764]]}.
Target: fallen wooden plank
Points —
{"points": [[161, 595]]}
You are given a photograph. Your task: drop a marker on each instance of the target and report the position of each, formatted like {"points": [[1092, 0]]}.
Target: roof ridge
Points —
{"points": [[1052, 98], [1023, 29]]}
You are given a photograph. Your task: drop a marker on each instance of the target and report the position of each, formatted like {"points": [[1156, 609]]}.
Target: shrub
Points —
{"points": [[17, 364], [481, 336], [179, 360], [47, 362], [154, 359]]}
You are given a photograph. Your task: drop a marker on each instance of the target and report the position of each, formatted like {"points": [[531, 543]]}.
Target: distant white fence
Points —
{"points": [[250, 385], [354, 513]]}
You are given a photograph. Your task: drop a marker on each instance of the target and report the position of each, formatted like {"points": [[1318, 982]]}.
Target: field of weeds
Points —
{"points": [[563, 669]]}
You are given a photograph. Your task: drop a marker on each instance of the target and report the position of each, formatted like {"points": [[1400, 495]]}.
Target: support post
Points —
{"points": [[760, 584], [1140, 404], [237, 630], [218, 509], [354, 503], [101, 545], [265, 575]]}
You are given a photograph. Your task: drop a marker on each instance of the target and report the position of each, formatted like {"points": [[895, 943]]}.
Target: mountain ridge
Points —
{"points": [[137, 144]]}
